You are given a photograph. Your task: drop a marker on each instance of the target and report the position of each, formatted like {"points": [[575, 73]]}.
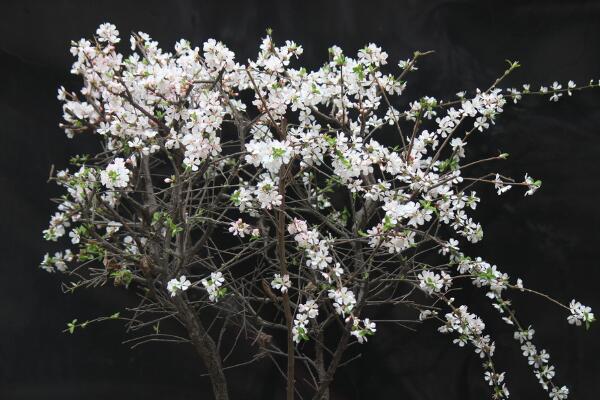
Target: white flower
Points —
{"points": [[310, 308], [570, 85], [281, 282], [528, 349], [430, 282], [213, 286], [267, 193], [555, 88], [546, 372], [372, 55], [425, 314], [519, 284], [74, 235], [580, 314], [561, 393], [451, 246], [240, 228], [274, 64], [301, 319], [470, 328], [297, 226], [405, 64], [108, 33], [458, 146], [397, 211], [131, 245], [46, 263], [532, 185], [516, 94], [362, 332], [500, 186], [242, 198], [396, 241], [344, 300], [174, 286], [493, 378], [524, 335], [58, 262], [299, 332], [320, 258], [271, 154], [481, 124], [113, 227], [116, 174]]}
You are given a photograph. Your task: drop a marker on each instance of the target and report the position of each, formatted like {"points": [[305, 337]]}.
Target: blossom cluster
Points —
{"points": [[580, 314], [469, 328], [175, 286], [213, 286]]}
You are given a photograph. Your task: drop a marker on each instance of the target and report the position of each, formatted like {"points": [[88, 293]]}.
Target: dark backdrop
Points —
{"points": [[550, 239]]}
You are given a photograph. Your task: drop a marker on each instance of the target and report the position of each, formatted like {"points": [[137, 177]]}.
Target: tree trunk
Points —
{"points": [[205, 346]]}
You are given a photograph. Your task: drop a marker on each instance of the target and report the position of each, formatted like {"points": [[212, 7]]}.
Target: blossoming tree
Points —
{"points": [[282, 204]]}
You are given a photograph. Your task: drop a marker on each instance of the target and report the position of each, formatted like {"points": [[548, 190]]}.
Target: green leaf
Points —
{"points": [[340, 60], [513, 64], [387, 224], [359, 70], [71, 326], [122, 277]]}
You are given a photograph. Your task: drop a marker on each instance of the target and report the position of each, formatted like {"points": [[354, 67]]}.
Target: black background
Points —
{"points": [[550, 239]]}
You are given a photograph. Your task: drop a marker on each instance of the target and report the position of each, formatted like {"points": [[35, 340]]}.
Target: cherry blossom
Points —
{"points": [[176, 286]]}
